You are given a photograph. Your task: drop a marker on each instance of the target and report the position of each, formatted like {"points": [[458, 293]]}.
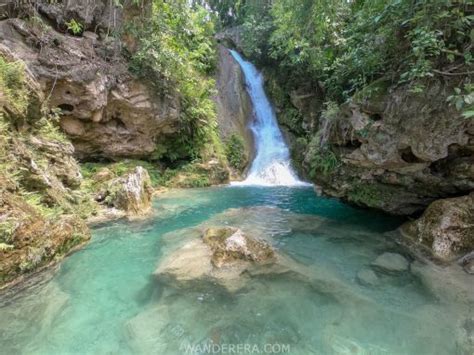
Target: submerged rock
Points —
{"points": [[449, 284], [190, 266], [469, 267], [42, 303], [391, 262], [446, 227], [222, 255], [367, 277], [131, 192], [465, 336]]}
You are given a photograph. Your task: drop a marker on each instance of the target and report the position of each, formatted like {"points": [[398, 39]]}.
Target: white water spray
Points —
{"points": [[271, 165]]}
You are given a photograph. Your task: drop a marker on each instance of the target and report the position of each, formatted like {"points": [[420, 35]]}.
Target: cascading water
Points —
{"points": [[271, 165]]}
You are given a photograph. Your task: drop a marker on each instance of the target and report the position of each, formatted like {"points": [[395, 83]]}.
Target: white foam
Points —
{"points": [[272, 165]]}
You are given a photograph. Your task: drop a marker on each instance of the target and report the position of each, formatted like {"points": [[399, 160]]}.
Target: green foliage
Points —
{"points": [[291, 118], [330, 111], [256, 28], [345, 45], [365, 194], [370, 195], [75, 27], [8, 168], [37, 201], [321, 159], [13, 88], [122, 167], [177, 55], [186, 176], [48, 127], [7, 229], [463, 100], [235, 151], [5, 247]]}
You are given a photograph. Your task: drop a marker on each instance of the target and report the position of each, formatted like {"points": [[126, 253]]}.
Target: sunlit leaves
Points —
{"points": [[177, 54]]}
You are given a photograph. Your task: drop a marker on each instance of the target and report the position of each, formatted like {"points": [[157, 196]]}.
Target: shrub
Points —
{"points": [[75, 27], [321, 159], [235, 151]]}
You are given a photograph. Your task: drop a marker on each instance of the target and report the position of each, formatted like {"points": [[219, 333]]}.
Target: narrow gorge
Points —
{"points": [[236, 177]]}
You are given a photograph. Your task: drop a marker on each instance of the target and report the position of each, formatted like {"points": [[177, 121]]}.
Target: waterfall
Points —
{"points": [[271, 165]]}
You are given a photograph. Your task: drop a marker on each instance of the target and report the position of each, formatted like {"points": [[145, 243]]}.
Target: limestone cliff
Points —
{"points": [[393, 149], [41, 205], [106, 112], [234, 108]]}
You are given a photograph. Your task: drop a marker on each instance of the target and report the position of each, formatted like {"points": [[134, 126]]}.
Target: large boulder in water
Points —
{"points": [[446, 227], [131, 193], [221, 255], [230, 244]]}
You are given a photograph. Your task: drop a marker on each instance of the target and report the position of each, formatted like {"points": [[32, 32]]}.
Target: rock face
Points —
{"points": [[234, 108], [131, 193], [99, 15], [105, 111], [392, 150], [34, 240], [41, 203], [446, 227], [49, 167]]}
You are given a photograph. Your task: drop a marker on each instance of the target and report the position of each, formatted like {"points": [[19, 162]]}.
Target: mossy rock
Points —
{"points": [[229, 244]]}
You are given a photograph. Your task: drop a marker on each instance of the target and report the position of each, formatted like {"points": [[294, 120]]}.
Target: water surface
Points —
{"points": [[105, 300]]}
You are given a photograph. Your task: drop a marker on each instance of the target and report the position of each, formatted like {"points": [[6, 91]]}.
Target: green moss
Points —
{"points": [[187, 176], [235, 151], [122, 167], [7, 228], [48, 127], [13, 85], [370, 195], [375, 91], [38, 201], [84, 205]]}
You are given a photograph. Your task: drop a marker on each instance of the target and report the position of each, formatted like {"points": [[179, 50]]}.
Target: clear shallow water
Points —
{"points": [[105, 299]]}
